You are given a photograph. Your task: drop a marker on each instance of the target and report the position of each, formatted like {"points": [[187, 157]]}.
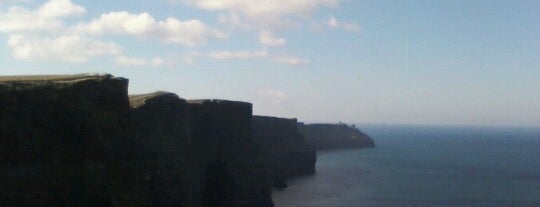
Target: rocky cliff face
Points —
{"points": [[76, 141], [230, 163], [198, 153], [286, 150], [334, 136], [64, 141], [162, 127]]}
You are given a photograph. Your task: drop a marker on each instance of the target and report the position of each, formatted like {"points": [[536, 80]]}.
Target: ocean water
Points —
{"points": [[426, 166]]}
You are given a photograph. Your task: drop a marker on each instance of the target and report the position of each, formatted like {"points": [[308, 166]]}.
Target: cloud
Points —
{"points": [[267, 38], [70, 48], [60, 8], [262, 13], [45, 18], [129, 61], [347, 26], [272, 95], [138, 62], [225, 55], [264, 16], [172, 30], [43, 33], [255, 54], [292, 61]]}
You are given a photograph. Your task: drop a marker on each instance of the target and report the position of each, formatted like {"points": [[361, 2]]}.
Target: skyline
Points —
{"points": [[418, 62]]}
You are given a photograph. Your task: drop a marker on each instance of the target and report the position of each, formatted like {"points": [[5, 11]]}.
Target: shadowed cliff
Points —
{"points": [[162, 127], [64, 141], [198, 153], [334, 136], [286, 151], [76, 141]]}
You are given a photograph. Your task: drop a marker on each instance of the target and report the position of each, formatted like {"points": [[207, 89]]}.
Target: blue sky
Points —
{"points": [[418, 62]]}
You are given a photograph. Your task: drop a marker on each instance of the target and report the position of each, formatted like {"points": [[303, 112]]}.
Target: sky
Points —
{"points": [[456, 62]]}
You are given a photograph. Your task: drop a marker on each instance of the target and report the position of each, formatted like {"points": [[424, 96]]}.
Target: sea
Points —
{"points": [[425, 166]]}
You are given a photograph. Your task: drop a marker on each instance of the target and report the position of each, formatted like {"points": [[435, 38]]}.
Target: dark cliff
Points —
{"points": [[334, 136], [64, 141], [162, 127], [76, 141], [232, 167], [198, 153], [287, 152]]}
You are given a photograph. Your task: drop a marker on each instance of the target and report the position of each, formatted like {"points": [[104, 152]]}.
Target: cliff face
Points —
{"points": [[198, 153], [231, 166], [162, 127], [334, 136], [76, 141], [64, 141], [285, 149]]}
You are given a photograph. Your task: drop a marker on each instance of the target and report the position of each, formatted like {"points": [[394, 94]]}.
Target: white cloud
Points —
{"points": [[138, 62], [347, 26], [45, 18], [224, 55], [60, 8], [42, 33], [275, 96], [69, 48], [293, 61], [171, 30], [267, 38], [157, 61], [129, 61], [263, 13], [256, 54]]}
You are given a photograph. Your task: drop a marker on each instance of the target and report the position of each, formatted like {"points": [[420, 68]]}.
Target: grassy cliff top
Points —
{"points": [[138, 100], [53, 78]]}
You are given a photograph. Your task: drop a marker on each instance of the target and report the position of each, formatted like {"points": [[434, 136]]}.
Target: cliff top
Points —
{"points": [[219, 102], [138, 100], [274, 118], [54, 78]]}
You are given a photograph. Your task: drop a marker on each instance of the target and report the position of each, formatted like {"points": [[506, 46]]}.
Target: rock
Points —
{"points": [[286, 150], [334, 136], [231, 165], [65, 141], [76, 141], [198, 153], [162, 125]]}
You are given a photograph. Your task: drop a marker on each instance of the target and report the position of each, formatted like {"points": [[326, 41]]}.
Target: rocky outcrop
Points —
{"points": [[65, 141], [334, 136], [286, 151]]}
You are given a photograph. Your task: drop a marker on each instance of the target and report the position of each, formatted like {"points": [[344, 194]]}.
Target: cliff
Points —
{"points": [[286, 151], [334, 136], [80, 141], [162, 128], [198, 153], [64, 141], [232, 165]]}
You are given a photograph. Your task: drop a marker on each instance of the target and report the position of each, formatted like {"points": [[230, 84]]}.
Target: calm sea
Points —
{"points": [[426, 166]]}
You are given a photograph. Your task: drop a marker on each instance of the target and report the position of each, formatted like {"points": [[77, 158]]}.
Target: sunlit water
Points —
{"points": [[426, 166]]}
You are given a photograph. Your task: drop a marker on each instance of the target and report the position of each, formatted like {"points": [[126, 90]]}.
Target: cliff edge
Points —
{"points": [[80, 141], [287, 152], [199, 152], [335, 136], [64, 141]]}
